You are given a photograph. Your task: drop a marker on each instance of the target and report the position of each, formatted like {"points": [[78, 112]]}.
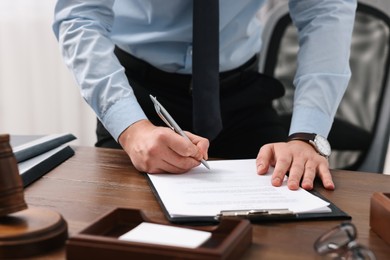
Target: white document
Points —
{"points": [[166, 235], [229, 185]]}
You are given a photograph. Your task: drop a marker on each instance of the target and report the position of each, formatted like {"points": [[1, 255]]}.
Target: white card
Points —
{"points": [[151, 233]]}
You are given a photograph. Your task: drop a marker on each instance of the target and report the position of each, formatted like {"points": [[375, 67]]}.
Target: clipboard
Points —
{"points": [[255, 216]]}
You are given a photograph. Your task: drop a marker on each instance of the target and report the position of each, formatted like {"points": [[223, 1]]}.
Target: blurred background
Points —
{"points": [[38, 95]]}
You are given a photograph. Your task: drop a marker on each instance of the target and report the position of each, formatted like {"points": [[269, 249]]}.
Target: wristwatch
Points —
{"points": [[319, 142]]}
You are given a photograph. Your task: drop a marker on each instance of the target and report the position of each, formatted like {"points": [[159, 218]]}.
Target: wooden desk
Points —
{"points": [[96, 180]]}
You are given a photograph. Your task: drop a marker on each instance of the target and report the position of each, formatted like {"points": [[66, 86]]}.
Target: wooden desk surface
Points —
{"points": [[97, 180]]}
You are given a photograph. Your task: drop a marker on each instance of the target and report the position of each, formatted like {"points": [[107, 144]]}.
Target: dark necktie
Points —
{"points": [[205, 69]]}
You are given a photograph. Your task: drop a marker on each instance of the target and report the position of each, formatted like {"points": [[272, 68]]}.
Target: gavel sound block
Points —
{"points": [[24, 231]]}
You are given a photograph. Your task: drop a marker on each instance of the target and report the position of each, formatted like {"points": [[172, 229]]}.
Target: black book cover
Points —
{"points": [[43, 165], [26, 147], [38, 154]]}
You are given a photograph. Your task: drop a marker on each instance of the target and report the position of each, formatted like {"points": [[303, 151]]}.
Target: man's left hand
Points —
{"points": [[297, 158]]}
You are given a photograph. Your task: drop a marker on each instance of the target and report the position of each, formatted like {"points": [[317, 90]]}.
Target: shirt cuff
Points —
{"points": [[310, 120], [121, 115]]}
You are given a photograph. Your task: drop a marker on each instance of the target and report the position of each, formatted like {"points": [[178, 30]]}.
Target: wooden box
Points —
{"points": [[229, 239], [380, 215]]}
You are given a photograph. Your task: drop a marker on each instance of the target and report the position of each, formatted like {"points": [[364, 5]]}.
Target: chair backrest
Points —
{"points": [[361, 131]]}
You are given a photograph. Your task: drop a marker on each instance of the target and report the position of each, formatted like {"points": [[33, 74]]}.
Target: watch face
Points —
{"points": [[322, 145]]}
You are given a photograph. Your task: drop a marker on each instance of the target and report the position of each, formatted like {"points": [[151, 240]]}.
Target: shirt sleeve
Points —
{"points": [[82, 29], [324, 31]]}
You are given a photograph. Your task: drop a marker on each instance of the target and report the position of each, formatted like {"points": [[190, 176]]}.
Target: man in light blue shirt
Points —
{"points": [[120, 50]]}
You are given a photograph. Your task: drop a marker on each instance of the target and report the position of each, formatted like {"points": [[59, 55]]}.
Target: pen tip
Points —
{"points": [[205, 164]]}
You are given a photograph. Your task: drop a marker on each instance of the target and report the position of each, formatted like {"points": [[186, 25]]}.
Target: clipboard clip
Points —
{"points": [[254, 214]]}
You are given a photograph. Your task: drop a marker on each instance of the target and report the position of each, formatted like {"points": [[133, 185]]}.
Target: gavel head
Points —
{"points": [[11, 185]]}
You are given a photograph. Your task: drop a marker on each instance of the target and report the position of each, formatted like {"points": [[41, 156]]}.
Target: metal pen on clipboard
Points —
{"points": [[255, 214]]}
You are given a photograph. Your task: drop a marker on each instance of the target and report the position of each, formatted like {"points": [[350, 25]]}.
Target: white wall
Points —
{"points": [[38, 95]]}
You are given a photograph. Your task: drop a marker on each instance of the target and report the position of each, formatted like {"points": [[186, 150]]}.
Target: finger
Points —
{"points": [[166, 168], [180, 164], [171, 162], [296, 172], [169, 153], [309, 175], [281, 168], [202, 144], [181, 145], [326, 176], [264, 158], [183, 165]]}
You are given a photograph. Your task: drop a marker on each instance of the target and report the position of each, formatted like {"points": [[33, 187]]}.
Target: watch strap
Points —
{"points": [[302, 137], [320, 144]]}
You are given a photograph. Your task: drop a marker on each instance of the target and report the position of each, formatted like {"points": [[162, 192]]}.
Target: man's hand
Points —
{"points": [[297, 158], [155, 149]]}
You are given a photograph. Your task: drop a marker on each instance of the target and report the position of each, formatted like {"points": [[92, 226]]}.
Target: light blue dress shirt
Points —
{"points": [[160, 32]]}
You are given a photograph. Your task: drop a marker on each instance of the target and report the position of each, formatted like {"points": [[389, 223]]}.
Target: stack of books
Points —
{"points": [[37, 154]]}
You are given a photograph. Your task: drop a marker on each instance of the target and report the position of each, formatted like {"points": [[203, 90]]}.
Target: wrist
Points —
{"points": [[132, 131], [318, 142]]}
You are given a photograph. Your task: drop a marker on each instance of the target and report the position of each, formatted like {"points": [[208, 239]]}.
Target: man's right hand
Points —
{"points": [[155, 149]]}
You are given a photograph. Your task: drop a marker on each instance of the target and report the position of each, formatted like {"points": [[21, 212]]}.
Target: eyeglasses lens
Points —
{"points": [[340, 243], [336, 240]]}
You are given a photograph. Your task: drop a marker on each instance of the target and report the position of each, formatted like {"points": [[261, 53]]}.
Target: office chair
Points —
{"points": [[361, 130]]}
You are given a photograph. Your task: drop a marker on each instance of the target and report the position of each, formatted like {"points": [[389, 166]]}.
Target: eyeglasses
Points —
{"points": [[340, 243]]}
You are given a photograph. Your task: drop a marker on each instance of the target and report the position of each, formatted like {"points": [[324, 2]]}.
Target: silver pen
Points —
{"points": [[171, 123]]}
